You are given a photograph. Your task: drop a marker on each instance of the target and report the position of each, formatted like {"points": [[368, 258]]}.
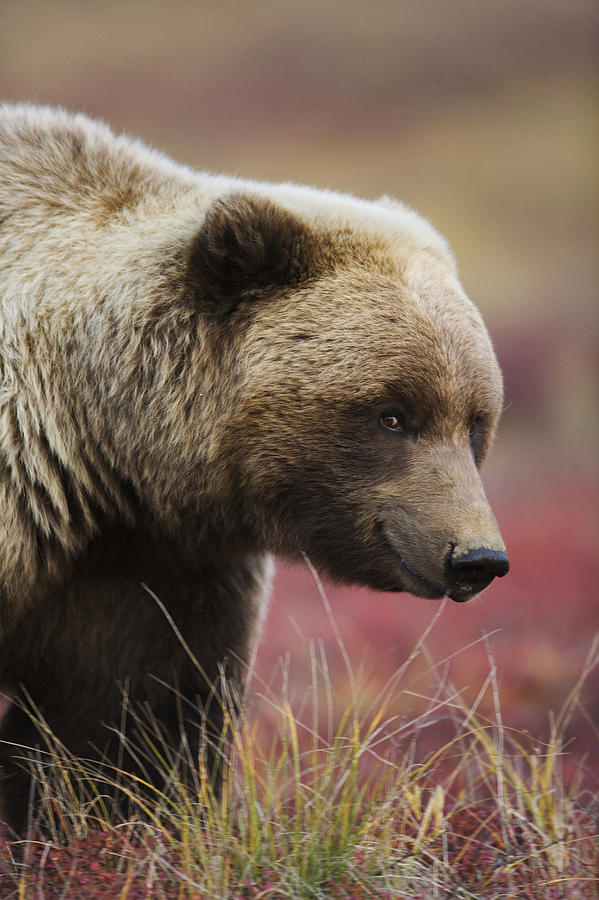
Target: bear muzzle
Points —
{"points": [[446, 534], [463, 575], [449, 545]]}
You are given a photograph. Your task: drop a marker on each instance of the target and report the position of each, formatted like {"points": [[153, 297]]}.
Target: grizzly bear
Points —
{"points": [[197, 372]]}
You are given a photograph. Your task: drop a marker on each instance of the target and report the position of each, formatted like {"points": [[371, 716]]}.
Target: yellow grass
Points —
{"points": [[353, 813]]}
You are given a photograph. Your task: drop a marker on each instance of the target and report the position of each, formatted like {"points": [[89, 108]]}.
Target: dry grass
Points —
{"points": [[344, 811]]}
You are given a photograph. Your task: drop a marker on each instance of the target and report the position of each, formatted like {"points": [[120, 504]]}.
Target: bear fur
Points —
{"points": [[197, 372]]}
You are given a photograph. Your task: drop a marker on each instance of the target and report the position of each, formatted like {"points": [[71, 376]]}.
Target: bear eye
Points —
{"points": [[392, 422]]}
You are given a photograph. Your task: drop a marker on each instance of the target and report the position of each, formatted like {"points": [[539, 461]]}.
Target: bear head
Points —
{"points": [[363, 395]]}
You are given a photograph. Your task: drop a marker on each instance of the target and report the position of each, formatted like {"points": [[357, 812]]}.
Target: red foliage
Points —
{"points": [[104, 864], [484, 855]]}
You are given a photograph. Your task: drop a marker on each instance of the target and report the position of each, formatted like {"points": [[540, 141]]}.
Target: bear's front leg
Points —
{"points": [[114, 664]]}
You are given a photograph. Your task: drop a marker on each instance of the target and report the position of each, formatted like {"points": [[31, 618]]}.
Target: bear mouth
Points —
{"points": [[416, 583], [458, 593], [426, 588], [412, 580]]}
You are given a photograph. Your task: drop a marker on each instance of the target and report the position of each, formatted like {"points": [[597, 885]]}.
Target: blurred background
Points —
{"points": [[481, 115]]}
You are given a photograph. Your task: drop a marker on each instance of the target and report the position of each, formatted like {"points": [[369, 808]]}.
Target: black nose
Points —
{"points": [[480, 565]]}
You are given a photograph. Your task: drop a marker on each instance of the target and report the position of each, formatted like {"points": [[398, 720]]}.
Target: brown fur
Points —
{"points": [[192, 375]]}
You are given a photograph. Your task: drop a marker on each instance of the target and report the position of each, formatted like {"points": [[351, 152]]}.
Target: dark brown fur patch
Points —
{"points": [[248, 244]]}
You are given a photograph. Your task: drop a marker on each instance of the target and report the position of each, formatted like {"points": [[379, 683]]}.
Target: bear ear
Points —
{"points": [[246, 244]]}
